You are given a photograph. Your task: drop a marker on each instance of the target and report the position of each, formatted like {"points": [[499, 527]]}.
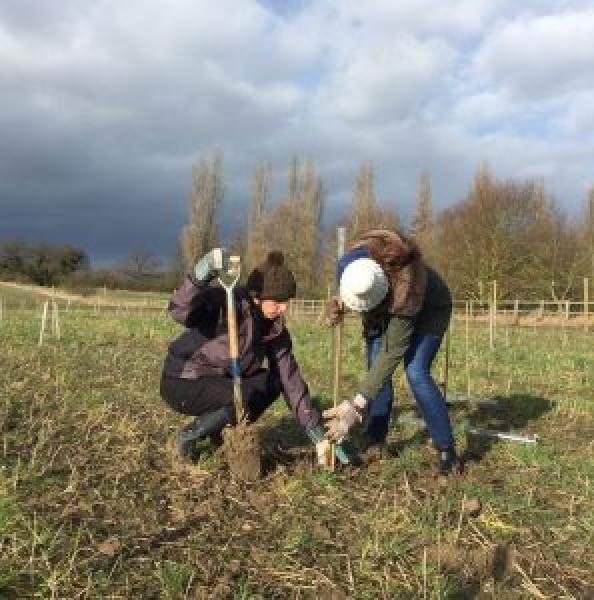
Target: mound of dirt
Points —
{"points": [[484, 562], [242, 448]]}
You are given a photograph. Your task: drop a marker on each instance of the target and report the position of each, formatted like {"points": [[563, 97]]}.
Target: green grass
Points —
{"points": [[94, 503]]}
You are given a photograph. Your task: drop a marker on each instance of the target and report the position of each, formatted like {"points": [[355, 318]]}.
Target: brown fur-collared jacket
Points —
{"points": [[416, 291], [400, 259]]}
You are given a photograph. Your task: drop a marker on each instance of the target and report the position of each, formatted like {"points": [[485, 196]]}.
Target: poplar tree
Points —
{"points": [[294, 226], [260, 198], [200, 234], [422, 225], [365, 212]]}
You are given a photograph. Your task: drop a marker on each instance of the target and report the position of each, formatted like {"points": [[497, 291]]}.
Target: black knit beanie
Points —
{"points": [[272, 280]]}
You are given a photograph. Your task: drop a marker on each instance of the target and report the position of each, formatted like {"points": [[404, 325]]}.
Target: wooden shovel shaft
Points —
{"points": [[229, 280], [234, 355]]}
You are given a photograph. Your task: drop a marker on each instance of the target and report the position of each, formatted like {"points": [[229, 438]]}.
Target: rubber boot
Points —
{"points": [[449, 463], [208, 424]]}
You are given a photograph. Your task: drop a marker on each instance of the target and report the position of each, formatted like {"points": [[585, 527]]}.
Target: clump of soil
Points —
{"points": [[485, 562], [242, 448]]}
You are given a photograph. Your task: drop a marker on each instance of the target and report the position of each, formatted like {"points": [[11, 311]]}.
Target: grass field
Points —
{"points": [[94, 504]]}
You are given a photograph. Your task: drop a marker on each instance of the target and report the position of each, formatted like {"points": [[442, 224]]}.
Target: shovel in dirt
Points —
{"points": [[241, 444]]}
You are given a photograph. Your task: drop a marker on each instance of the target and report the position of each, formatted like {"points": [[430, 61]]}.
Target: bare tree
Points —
{"points": [[199, 235], [311, 203], [364, 202], [510, 232], [422, 224], [365, 212], [293, 178], [294, 226], [256, 235], [140, 261]]}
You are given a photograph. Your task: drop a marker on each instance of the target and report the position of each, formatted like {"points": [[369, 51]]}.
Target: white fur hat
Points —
{"points": [[363, 285]]}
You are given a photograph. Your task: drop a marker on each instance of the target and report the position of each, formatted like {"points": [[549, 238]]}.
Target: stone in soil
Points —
{"points": [[241, 445]]}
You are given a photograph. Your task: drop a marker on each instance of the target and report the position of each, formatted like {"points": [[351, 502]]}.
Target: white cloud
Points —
{"points": [[536, 57], [387, 79]]}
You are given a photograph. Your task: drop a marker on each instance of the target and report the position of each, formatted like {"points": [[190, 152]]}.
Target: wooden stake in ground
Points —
{"points": [[55, 320], [491, 327], [337, 339], [586, 303], [43, 320], [466, 351]]}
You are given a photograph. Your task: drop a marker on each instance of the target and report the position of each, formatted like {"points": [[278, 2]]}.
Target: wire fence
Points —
{"points": [[511, 311], [517, 312]]}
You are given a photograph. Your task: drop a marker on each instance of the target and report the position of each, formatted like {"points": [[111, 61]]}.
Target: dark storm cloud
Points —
{"points": [[105, 106]]}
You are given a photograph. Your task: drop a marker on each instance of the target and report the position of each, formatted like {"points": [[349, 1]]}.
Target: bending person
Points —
{"points": [[405, 307]]}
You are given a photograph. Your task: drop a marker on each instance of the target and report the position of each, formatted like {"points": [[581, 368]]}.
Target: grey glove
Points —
{"points": [[340, 420], [210, 264]]}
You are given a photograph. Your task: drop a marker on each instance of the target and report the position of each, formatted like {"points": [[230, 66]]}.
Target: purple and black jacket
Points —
{"points": [[203, 348]]}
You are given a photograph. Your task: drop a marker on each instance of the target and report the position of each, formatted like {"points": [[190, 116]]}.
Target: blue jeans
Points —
{"points": [[430, 401]]}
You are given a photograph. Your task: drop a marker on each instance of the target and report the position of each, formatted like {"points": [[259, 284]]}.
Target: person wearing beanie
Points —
{"points": [[406, 308], [196, 380]]}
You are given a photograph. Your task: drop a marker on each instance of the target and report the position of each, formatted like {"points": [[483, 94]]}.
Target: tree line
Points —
{"points": [[510, 231], [69, 266], [43, 264]]}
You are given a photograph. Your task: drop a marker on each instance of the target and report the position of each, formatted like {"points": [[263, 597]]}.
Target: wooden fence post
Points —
{"points": [[586, 307], [466, 348], [55, 320], [43, 320], [493, 316]]}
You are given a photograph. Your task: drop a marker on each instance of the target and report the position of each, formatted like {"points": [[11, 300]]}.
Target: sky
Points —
{"points": [[105, 106]]}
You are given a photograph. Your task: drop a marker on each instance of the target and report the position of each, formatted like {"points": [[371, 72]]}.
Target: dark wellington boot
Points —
{"points": [[208, 424], [449, 463]]}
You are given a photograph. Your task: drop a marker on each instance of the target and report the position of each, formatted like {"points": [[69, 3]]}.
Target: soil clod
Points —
{"points": [[241, 445]]}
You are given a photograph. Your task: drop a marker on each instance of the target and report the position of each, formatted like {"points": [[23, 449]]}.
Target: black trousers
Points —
{"points": [[199, 396]]}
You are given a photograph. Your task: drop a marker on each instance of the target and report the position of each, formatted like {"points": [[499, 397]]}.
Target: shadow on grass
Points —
{"points": [[508, 413], [285, 442]]}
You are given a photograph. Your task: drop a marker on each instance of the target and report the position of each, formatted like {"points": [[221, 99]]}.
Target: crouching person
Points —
{"points": [[196, 379], [405, 307]]}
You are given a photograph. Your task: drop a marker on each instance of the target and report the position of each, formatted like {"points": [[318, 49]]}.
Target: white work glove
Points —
{"points": [[322, 452], [208, 267], [317, 435], [340, 420]]}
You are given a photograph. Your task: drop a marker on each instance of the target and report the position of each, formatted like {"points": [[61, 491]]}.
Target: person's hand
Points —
{"points": [[334, 310], [323, 452], [340, 419], [317, 435], [210, 264]]}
